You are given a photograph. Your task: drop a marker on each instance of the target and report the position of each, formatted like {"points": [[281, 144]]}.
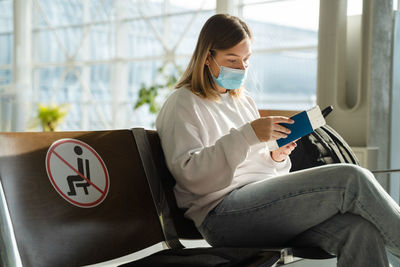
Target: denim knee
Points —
{"points": [[356, 173]]}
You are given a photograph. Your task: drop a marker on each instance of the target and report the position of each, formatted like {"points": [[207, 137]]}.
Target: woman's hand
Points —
{"points": [[283, 152], [267, 128]]}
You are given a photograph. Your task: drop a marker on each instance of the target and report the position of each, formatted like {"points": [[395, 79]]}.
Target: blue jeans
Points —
{"points": [[340, 208]]}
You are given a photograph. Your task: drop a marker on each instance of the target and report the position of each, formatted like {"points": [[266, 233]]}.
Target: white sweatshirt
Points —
{"points": [[211, 149]]}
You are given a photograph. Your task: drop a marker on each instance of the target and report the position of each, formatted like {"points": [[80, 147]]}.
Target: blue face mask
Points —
{"points": [[229, 78]]}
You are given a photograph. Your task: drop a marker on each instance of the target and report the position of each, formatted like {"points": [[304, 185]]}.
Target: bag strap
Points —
{"points": [[330, 145], [344, 147]]}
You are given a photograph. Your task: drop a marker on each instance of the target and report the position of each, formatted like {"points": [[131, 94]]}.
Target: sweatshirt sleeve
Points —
{"points": [[282, 167], [198, 168]]}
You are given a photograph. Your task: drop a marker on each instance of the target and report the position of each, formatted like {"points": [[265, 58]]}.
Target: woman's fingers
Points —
{"points": [[283, 152], [268, 128], [278, 135], [281, 119], [281, 128], [288, 148]]}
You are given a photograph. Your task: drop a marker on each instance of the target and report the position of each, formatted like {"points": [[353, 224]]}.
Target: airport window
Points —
{"points": [[283, 73], [6, 42], [6, 57], [95, 54]]}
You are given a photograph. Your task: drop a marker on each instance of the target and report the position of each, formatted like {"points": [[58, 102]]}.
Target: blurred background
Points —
{"points": [[95, 55], [72, 65]]}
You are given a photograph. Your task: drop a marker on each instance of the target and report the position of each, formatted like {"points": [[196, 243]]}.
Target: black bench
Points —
{"points": [[40, 227]]}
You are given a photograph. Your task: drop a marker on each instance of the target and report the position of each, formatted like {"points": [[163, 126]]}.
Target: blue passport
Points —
{"points": [[305, 122]]}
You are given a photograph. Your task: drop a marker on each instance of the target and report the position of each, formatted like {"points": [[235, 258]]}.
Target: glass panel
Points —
{"points": [[102, 10], [6, 44], [146, 73], [5, 77], [290, 13], [54, 89], [141, 72], [283, 70], [56, 86], [59, 12], [73, 120], [160, 7], [100, 83], [284, 80], [182, 62], [49, 88], [247, 2], [188, 43], [6, 16], [101, 43], [54, 46], [148, 8], [74, 116], [116, 34], [100, 114], [132, 7], [273, 36], [282, 24], [142, 41], [184, 5]]}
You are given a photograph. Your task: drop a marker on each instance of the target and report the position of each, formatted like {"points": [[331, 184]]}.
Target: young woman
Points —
{"points": [[238, 192]]}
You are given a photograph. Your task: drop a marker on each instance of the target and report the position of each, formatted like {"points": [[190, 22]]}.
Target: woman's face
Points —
{"points": [[236, 57]]}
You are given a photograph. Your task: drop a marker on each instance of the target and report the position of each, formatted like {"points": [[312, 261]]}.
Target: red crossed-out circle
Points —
{"points": [[52, 153]]}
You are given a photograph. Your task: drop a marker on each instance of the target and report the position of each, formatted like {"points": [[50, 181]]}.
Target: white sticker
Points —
{"points": [[77, 173]]}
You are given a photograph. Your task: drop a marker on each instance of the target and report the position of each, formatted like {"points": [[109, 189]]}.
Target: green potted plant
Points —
{"points": [[148, 94], [51, 116]]}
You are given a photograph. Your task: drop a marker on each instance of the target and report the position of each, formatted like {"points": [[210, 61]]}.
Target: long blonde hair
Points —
{"points": [[221, 31]]}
